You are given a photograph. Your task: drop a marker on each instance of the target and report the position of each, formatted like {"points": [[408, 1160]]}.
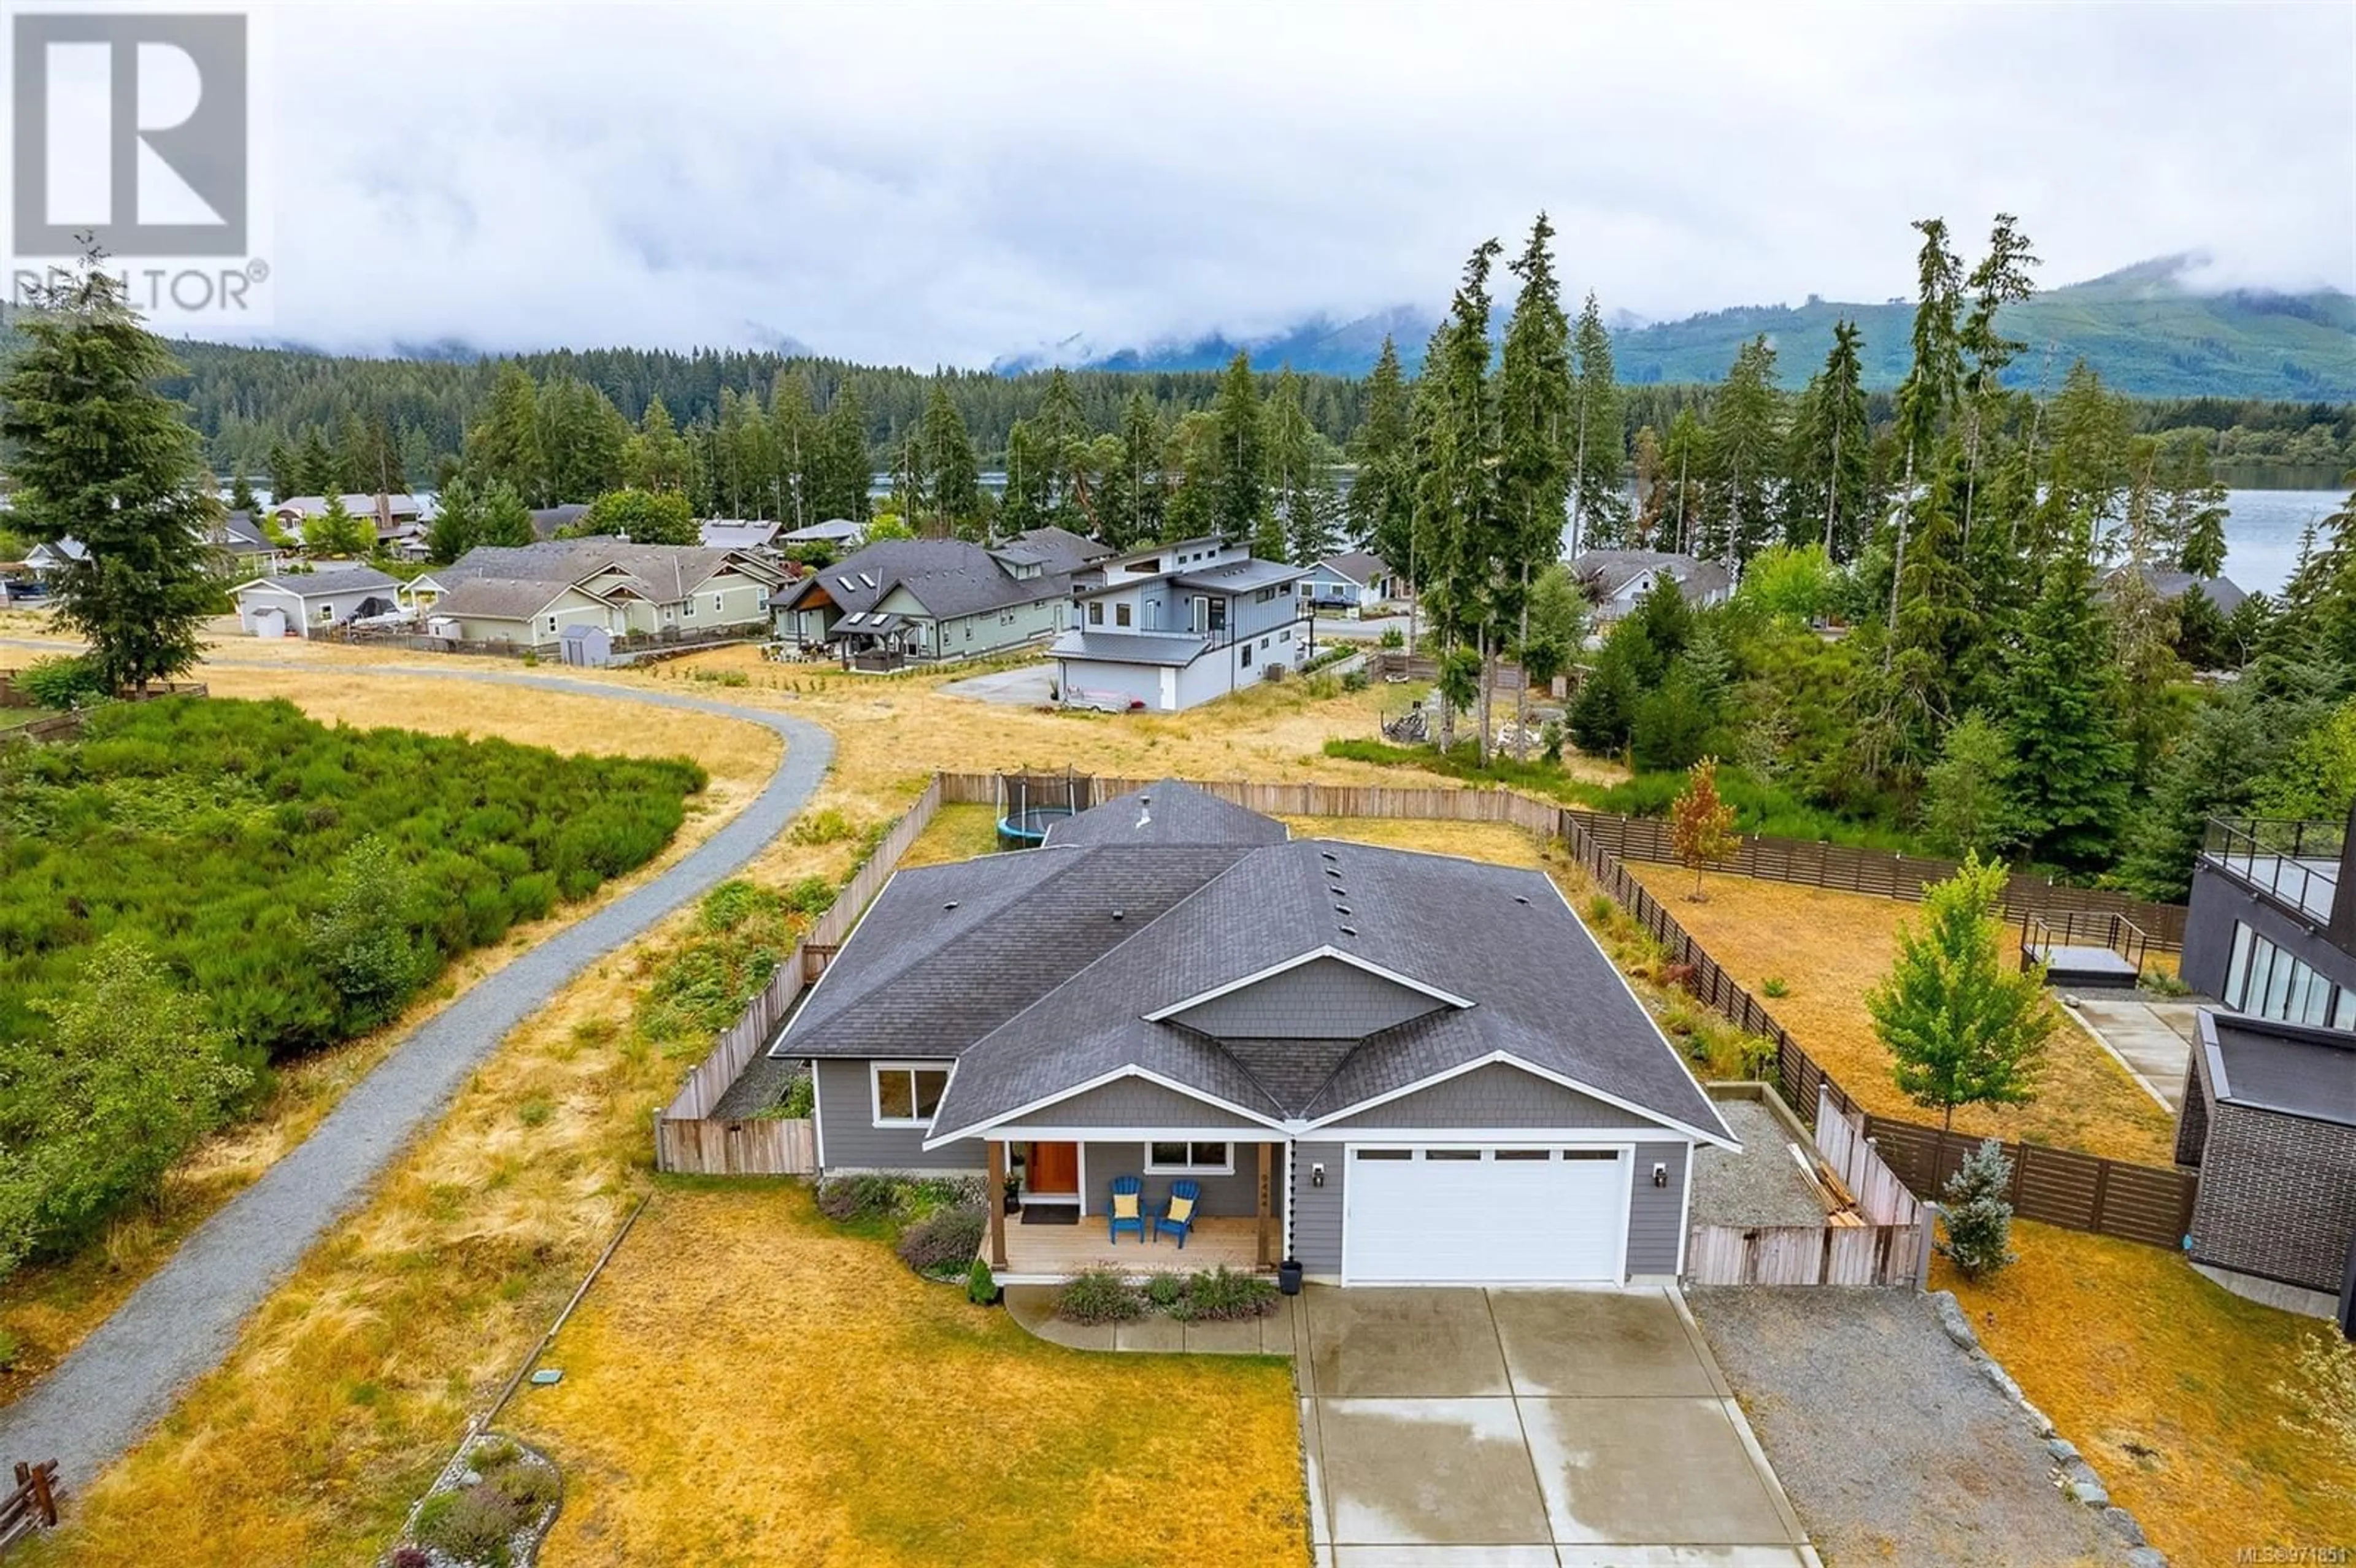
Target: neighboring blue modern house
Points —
{"points": [[1166, 627]]}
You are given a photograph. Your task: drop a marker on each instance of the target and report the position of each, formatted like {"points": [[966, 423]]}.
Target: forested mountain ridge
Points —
{"points": [[2140, 328]]}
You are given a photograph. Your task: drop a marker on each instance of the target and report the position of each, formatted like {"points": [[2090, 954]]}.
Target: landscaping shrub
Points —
{"points": [[62, 682], [532, 1488], [848, 1199], [496, 1455], [1099, 1295], [945, 1240], [801, 1097], [1979, 1221], [810, 895], [473, 1525], [1356, 680], [1775, 985], [827, 826], [1220, 1296], [1163, 1290], [703, 983], [980, 1285], [1393, 637]]}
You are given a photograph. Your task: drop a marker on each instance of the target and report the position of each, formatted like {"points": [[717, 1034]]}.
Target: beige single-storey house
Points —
{"points": [[529, 594]]}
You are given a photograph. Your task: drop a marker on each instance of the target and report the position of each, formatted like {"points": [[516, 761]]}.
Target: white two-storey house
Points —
{"points": [[1172, 626]]}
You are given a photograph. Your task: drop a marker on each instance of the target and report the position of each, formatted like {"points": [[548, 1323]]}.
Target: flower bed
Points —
{"points": [[1212, 1295], [490, 1508]]}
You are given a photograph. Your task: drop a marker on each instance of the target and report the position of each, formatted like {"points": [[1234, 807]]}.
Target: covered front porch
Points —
{"points": [[1246, 1236]]}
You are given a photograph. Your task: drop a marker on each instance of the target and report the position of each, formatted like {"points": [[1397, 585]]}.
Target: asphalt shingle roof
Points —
{"points": [[317, 584], [1357, 565], [665, 573], [500, 597], [1167, 812], [1015, 964], [949, 578]]}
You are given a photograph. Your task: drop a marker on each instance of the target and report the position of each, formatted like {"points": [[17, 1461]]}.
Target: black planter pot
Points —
{"points": [[1288, 1276], [1014, 1204]]}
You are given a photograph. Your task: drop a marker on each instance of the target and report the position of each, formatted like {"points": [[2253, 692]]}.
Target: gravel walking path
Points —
{"points": [[1761, 1186], [185, 1317], [1890, 1443]]}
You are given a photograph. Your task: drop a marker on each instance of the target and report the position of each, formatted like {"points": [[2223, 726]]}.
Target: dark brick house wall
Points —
{"points": [[2278, 1196]]}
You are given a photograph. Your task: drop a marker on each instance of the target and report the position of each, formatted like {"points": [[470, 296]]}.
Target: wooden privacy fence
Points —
{"points": [[1807, 1254], [1440, 803], [688, 1136], [2152, 1204], [1882, 872], [1892, 1247], [2061, 1187], [32, 1505]]}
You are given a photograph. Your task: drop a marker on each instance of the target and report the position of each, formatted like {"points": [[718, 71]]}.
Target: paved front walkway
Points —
{"points": [[2152, 1038], [1514, 1428], [180, 1323]]}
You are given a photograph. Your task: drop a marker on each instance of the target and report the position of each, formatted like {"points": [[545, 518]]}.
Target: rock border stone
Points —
{"points": [[2071, 1474]]}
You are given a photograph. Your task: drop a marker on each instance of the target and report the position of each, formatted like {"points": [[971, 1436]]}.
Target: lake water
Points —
{"points": [[2262, 533], [2263, 529]]}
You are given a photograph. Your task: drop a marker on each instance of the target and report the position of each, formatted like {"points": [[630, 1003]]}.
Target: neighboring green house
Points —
{"points": [[529, 594], [901, 600]]}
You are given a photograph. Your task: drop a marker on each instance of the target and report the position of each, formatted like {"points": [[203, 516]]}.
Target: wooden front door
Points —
{"points": [[1053, 1170]]}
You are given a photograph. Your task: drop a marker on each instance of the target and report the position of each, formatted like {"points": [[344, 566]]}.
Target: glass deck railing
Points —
{"points": [[2297, 864]]}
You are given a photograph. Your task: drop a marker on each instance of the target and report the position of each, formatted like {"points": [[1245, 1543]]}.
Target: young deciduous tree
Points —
{"points": [[1963, 1027], [644, 516], [1977, 1219], [1701, 826], [100, 456]]}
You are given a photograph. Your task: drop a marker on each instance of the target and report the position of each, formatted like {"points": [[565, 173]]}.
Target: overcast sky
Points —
{"points": [[948, 183]]}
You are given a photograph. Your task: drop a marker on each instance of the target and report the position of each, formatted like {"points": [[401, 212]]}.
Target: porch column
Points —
{"points": [[1266, 1256], [996, 1204]]}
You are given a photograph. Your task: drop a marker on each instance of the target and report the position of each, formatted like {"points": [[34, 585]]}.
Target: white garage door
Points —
{"points": [[1480, 1215]]}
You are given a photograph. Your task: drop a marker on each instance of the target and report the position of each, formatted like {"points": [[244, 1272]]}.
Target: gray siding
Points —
{"points": [[1492, 1096], [1317, 1211], [1656, 1213], [850, 1140], [1322, 999], [1233, 1197], [1136, 1103]]}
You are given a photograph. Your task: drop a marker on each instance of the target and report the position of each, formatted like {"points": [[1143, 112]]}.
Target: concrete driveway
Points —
{"points": [[1516, 1428], [1025, 686]]}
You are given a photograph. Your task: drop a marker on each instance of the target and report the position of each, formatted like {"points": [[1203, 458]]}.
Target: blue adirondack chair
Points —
{"points": [[1177, 1217], [1130, 1188]]}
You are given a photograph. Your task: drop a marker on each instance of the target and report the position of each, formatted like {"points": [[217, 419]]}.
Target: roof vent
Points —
{"points": [[951, 904], [1117, 914], [1349, 931], [1520, 900], [1341, 909], [1328, 854], [1333, 870]]}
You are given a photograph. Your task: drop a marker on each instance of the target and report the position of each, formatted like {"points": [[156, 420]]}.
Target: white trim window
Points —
{"points": [[1179, 1157], [907, 1093]]}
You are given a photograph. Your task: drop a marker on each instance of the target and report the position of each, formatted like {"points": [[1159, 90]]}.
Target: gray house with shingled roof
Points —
{"points": [[1399, 1068]]}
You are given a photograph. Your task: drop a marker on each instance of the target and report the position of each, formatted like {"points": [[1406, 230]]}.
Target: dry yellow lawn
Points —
{"points": [[746, 1385], [1829, 947], [955, 833], [2167, 1382]]}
